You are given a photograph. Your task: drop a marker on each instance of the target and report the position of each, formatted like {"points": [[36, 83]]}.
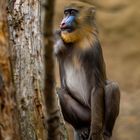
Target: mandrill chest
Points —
{"points": [[77, 82]]}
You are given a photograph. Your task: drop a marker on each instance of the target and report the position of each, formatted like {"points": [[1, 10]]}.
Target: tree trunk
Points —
{"points": [[26, 48], [9, 128], [56, 127]]}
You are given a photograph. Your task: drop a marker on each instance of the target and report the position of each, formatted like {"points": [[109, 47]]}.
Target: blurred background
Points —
{"points": [[118, 23]]}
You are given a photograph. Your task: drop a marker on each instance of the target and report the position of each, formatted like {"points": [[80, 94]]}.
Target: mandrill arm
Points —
{"points": [[97, 113], [59, 46]]}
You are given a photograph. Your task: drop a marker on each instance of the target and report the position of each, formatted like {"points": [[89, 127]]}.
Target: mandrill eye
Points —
{"points": [[72, 12], [66, 13]]}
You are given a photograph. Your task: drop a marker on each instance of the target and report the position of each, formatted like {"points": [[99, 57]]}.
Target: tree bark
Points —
{"points": [[9, 128], [55, 122], [26, 49]]}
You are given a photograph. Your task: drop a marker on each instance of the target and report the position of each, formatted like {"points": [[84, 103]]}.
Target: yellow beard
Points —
{"points": [[71, 37], [83, 38]]}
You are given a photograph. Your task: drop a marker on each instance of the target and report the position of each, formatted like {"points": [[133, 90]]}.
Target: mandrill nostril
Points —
{"points": [[63, 25]]}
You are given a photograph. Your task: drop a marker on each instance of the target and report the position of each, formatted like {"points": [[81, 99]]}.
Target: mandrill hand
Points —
{"points": [[59, 46]]}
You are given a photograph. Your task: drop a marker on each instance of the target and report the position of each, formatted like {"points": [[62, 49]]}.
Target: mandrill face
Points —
{"points": [[77, 22], [69, 23]]}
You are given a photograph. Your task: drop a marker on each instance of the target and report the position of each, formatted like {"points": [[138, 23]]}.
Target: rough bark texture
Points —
{"points": [[8, 118], [56, 128], [26, 48]]}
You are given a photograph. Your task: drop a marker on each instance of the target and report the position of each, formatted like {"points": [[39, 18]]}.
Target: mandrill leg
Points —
{"points": [[112, 101], [74, 112], [97, 113]]}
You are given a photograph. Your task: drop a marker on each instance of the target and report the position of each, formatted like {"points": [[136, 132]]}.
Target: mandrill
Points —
{"points": [[89, 101]]}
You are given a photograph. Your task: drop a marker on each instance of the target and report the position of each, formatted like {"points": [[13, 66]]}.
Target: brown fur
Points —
{"points": [[89, 102]]}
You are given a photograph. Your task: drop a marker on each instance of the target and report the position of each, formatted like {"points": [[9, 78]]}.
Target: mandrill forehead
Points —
{"points": [[79, 6]]}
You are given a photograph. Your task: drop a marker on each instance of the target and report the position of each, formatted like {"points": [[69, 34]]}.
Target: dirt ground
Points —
{"points": [[123, 65]]}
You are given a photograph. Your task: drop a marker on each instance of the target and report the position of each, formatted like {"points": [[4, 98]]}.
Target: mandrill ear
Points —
{"points": [[92, 11]]}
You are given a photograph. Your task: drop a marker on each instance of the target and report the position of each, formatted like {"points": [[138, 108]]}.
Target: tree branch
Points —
{"points": [[56, 128]]}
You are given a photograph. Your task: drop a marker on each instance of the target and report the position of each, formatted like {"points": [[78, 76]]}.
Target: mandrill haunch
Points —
{"points": [[89, 102]]}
